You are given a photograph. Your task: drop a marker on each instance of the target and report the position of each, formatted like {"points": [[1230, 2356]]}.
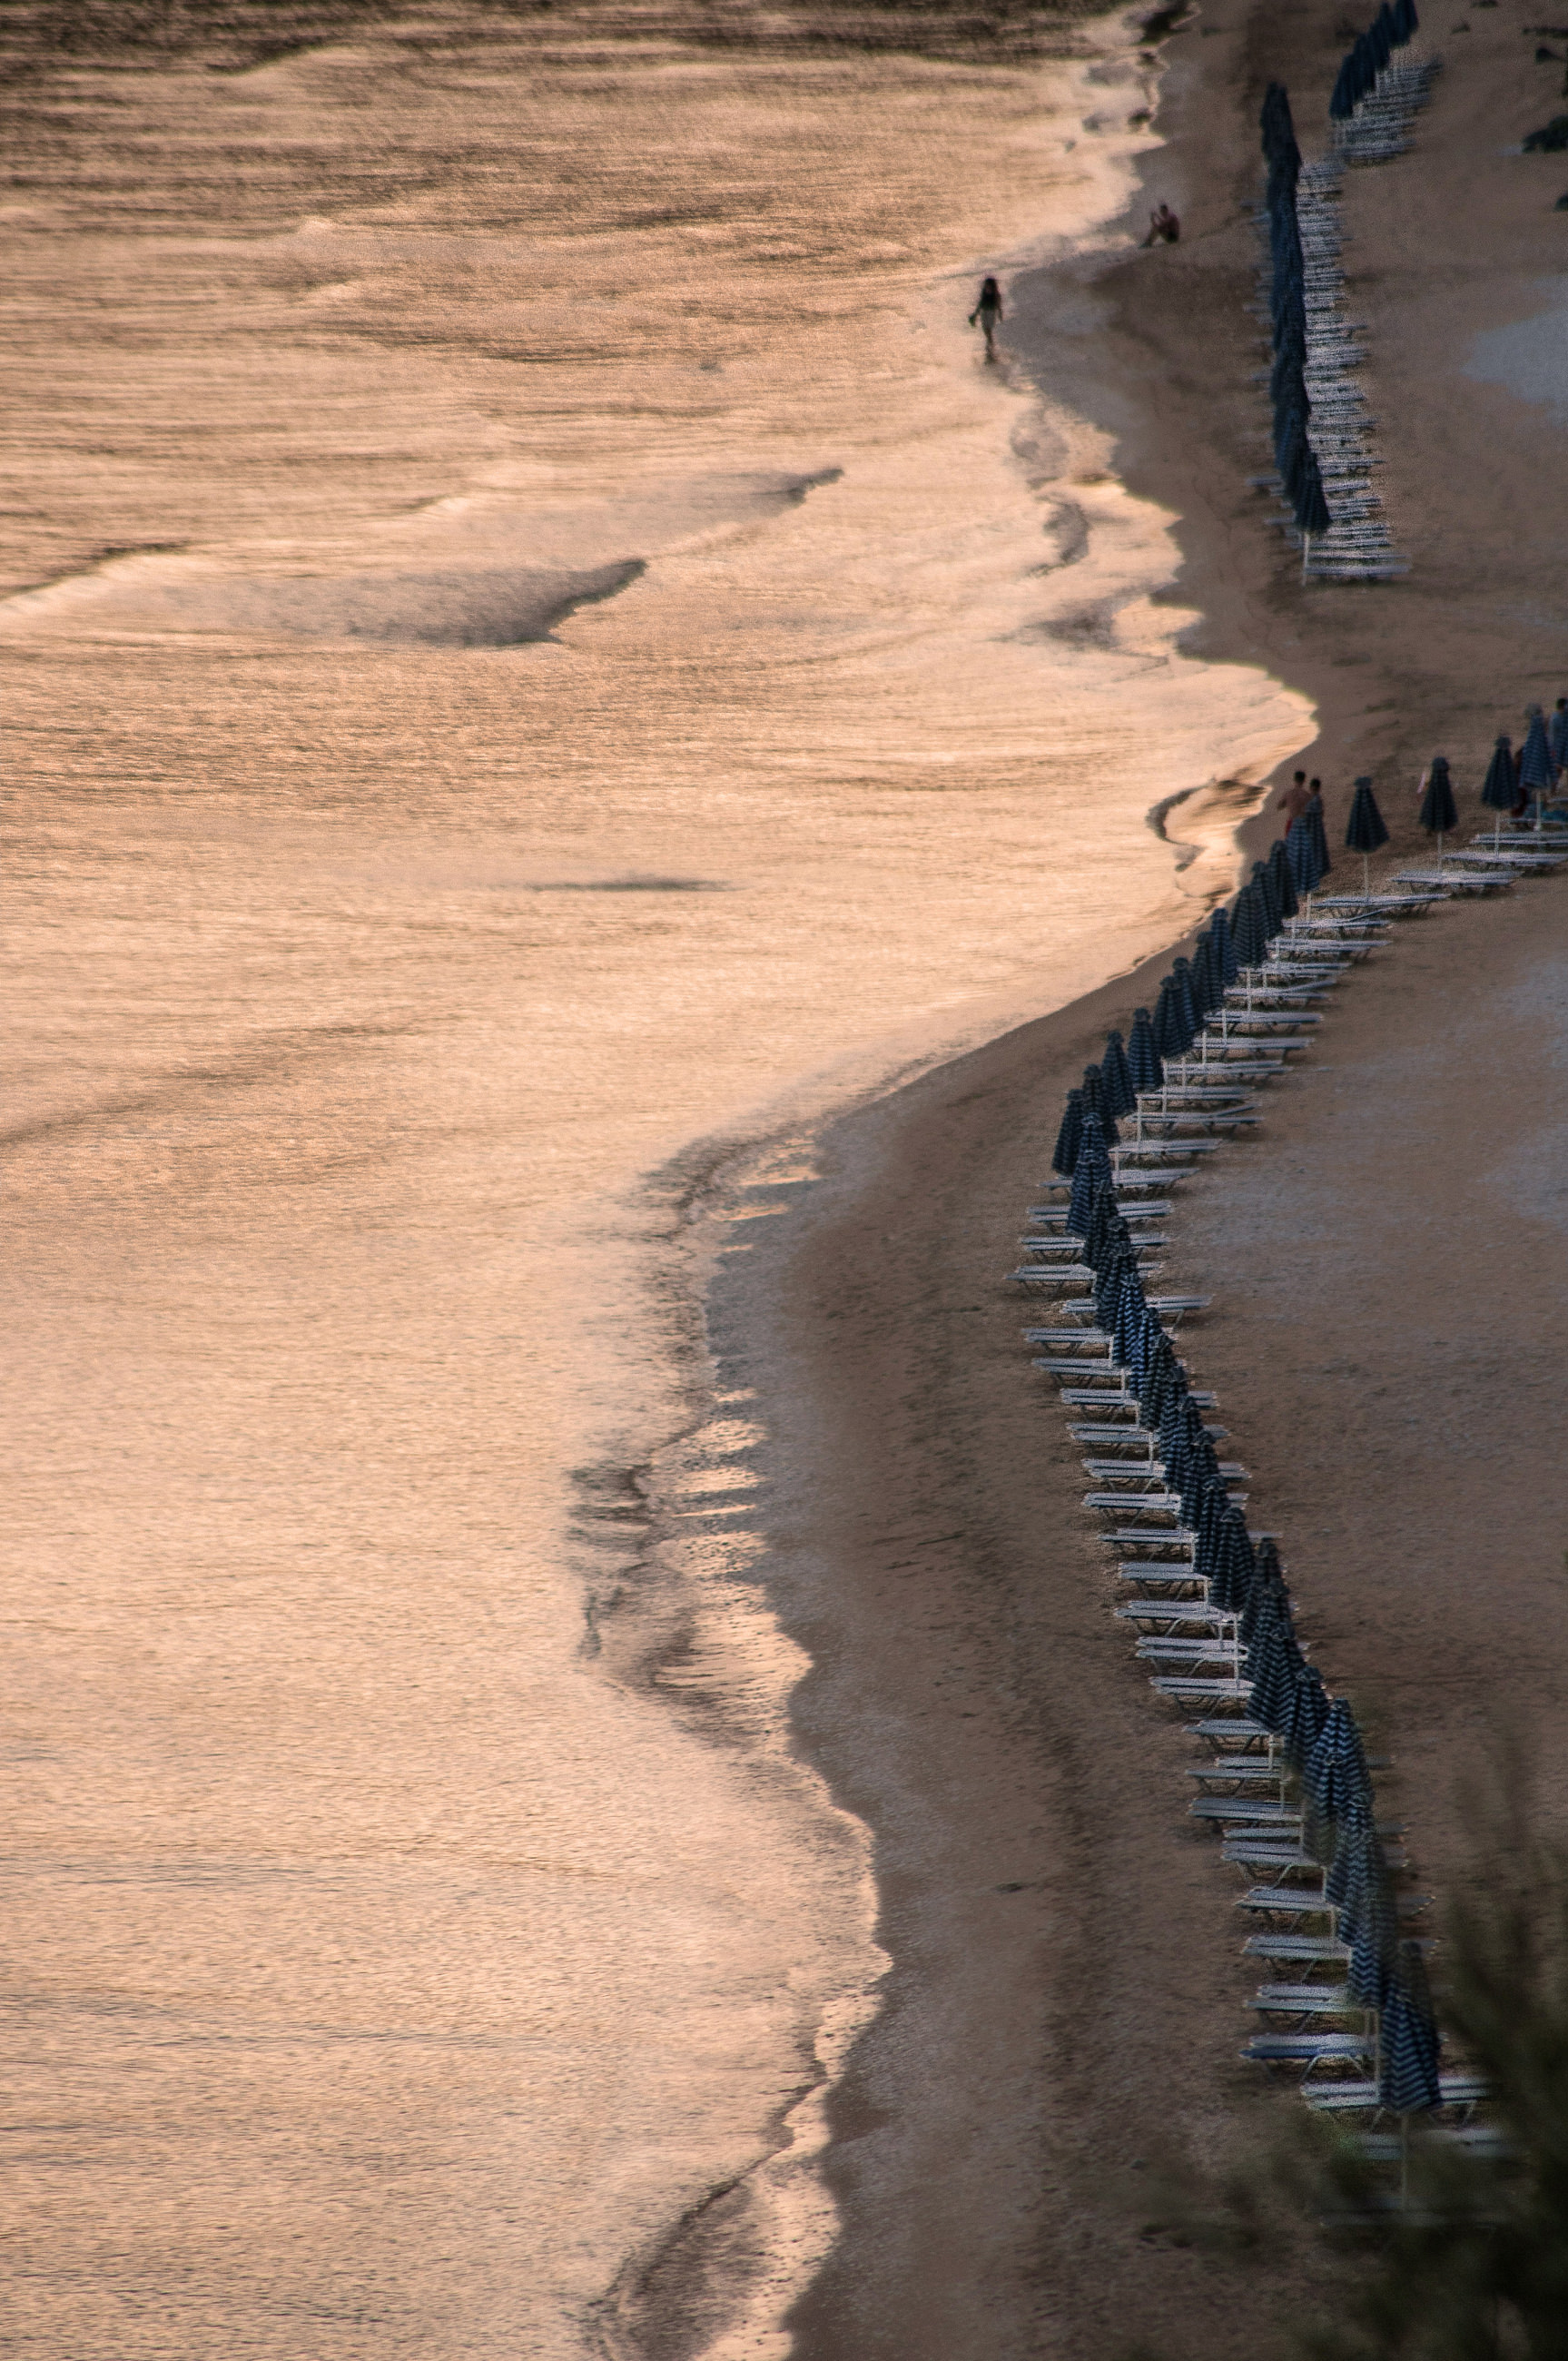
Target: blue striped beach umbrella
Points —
{"points": [[1186, 999], [1207, 991], [1438, 812], [1226, 960], [1166, 1382], [1309, 1711], [1064, 1156], [1167, 1034], [1093, 1165], [1274, 1665], [1313, 816], [1131, 1310], [1405, 19], [1279, 873], [1106, 1225], [1213, 1503], [1301, 854], [1410, 2049], [1313, 516], [1143, 1057], [1365, 831], [1557, 735], [1380, 33], [1114, 1073], [1202, 1470], [1121, 1256], [1096, 1101], [1499, 790], [1267, 1587], [1248, 929], [1369, 1920], [1231, 1584], [1536, 767], [1273, 917], [1334, 1776]]}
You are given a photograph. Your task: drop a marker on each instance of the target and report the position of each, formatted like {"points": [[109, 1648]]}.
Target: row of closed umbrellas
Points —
{"points": [[1244, 1582], [1357, 78], [1293, 454]]}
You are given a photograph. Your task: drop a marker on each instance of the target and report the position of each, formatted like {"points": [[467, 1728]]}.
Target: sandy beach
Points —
{"points": [[1065, 1999]]}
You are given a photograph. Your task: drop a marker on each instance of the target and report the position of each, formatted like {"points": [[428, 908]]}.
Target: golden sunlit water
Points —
{"points": [[533, 639]]}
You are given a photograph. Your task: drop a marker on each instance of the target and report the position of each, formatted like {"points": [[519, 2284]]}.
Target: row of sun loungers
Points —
{"points": [[1313, 2028]]}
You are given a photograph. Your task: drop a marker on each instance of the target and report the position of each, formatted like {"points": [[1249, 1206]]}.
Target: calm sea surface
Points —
{"points": [[384, 1973]]}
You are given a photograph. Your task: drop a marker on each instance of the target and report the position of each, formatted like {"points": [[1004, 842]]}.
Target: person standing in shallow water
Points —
{"points": [[987, 311]]}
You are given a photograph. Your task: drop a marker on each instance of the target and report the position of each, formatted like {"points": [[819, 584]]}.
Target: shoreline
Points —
{"points": [[1064, 2009]]}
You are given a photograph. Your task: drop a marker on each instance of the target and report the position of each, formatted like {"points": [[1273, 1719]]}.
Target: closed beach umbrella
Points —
{"points": [[1096, 1101], [1280, 872], [1369, 1922], [1313, 515], [1405, 19], [1131, 1313], [1213, 1505], [1207, 992], [1164, 1376], [1438, 812], [1365, 831], [1143, 1057], [1106, 1224], [1229, 1587], [1301, 854], [1309, 1711], [1226, 960], [1410, 2046], [1381, 34], [1248, 929], [1557, 735], [1268, 1588], [1313, 816], [1499, 789], [1536, 767], [1275, 1664], [1063, 1158], [1093, 1167], [1186, 999], [1114, 1073], [1334, 1776], [1263, 885], [1168, 1036]]}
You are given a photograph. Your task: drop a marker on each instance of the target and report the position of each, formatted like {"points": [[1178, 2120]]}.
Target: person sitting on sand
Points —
{"points": [[987, 311], [1164, 227], [1295, 799]]}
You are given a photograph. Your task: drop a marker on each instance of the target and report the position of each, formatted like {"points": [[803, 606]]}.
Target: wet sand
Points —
{"points": [[1065, 1999]]}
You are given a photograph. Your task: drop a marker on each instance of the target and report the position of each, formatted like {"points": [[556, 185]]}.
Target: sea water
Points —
{"points": [[538, 652]]}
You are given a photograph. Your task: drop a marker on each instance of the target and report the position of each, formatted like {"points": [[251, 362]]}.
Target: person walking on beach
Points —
{"points": [[1294, 801], [987, 311], [1165, 229]]}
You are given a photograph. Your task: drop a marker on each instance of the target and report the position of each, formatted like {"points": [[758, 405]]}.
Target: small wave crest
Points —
{"points": [[500, 606]]}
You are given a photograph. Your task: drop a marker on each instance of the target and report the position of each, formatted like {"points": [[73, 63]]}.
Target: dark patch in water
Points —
{"points": [[626, 885]]}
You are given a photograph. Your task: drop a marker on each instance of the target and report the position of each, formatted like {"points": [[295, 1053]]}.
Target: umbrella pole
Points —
{"points": [[1366, 874], [1306, 554]]}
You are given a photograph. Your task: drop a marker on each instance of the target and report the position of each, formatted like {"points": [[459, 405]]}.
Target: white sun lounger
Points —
{"points": [[1456, 2090], [1307, 2050], [1255, 1810], [1255, 1770], [1305, 2000]]}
